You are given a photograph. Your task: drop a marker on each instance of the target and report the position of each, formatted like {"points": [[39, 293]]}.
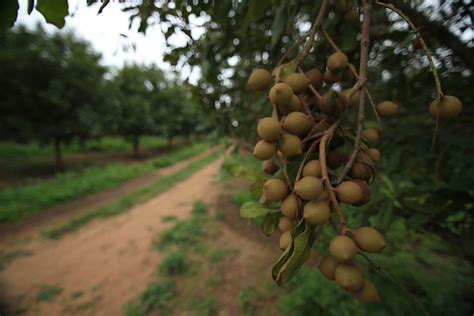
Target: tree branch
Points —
{"points": [[364, 56]]}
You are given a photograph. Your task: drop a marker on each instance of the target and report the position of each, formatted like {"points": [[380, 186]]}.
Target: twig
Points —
{"points": [[312, 137], [306, 156], [390, 6], [313, 90], [285, 172], [314, 28], [325, 177], [382, 271], [355, 87], [364, 56], [330, 41], [295, 44]]}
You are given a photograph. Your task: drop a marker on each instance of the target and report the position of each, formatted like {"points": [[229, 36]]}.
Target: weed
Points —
{"points": [[217, 255], [169, 218], [184, 233], [199, 208], [76, 294], [246, 299], [213, 280], [155, 296], [175, 263], [8, 257], [48, 293]]}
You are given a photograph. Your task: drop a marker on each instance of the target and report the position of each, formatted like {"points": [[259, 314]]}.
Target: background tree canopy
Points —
{"points": [[421, 194]]}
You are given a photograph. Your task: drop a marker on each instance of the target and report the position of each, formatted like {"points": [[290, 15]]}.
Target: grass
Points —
{"points": [[128, 200], [199, 208], [184, 233], [217, 255], [155, 296], [19, 201], [48, 293], [169, 218], [175, 263], [76, 294], [246, 299], [8, 257]]}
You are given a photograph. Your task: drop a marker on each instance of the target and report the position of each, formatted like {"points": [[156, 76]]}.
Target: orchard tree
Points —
{"points": [[136, 88], [52, 88]]}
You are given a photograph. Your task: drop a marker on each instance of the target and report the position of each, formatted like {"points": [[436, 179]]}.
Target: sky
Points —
{"points": [[103, 32]]}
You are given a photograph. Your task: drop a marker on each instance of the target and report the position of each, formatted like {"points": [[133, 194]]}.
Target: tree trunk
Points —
{"points": [[136, 146], [58, 155]]}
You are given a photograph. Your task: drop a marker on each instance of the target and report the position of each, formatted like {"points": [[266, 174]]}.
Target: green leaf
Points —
{"points": [[256, 8], [253, 209], [303, 240], [279, 23], [270, 222], [288, 69], [245, 172], [257, 187], [54, 11], [9, 11]]}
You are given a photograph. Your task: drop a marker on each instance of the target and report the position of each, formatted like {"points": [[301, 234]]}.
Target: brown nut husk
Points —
{"points": [[295, 104], [290, 206], [334, 159], [371, 135], [290, 145], [337, 62], [264, 150], [348, 192], [367, 294], [348, 73], [333, 103], [328, 267], [297, 123], [361, 171], [312, 168], [343, 248], [354, 100], [269, 129], [285, 224], [269, 166], [309, 188], [387, 108], [260, 79], [349, 277], [373, 153], [285, 239], [298, 82], [315, 78], [365, 192], [330, 77], [369, 239], [316, 212], [281, 94], [448, 107], [275, 190]]}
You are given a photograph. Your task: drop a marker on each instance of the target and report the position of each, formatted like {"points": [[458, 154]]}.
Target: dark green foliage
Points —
{"points": [[61, 95], [175, 263]]}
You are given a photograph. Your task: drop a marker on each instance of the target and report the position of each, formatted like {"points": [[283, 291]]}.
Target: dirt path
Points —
{"points": [[109, 261], [61, 212]]}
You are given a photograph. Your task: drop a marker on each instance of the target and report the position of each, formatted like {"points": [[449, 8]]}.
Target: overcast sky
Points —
{"points": [[103, 31]]}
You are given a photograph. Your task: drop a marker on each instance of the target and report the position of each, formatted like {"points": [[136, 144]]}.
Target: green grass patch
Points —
{"points": [[130, 199], [199, 208], [8, 257], [207, 306], [169, 218], [48, 293], [184, 233], [217, 255], [76, 294], [175, 263], [155, 297], [21, 200], [247, 298]]}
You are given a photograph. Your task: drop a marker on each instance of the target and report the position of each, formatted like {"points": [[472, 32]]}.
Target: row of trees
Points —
{"points": [[55, 91]]}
